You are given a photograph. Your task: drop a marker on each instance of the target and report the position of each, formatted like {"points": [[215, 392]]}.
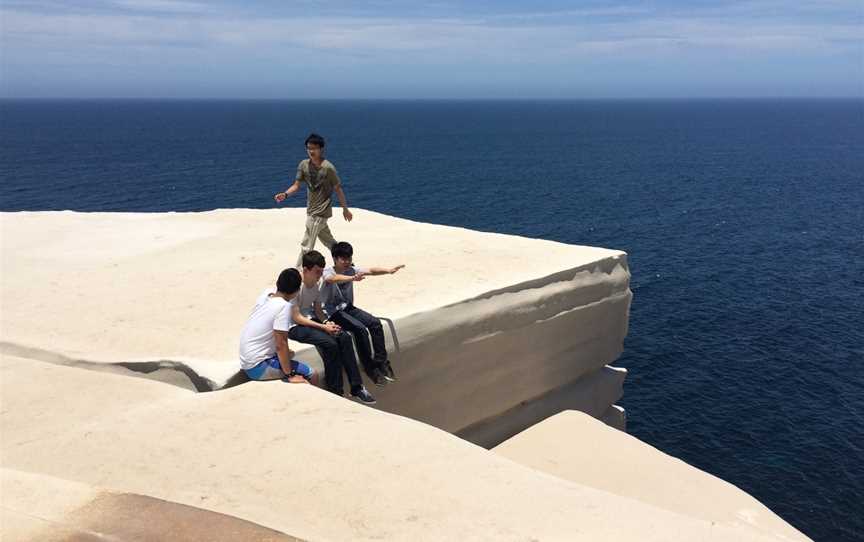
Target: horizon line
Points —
{"points": [[423, 99]]}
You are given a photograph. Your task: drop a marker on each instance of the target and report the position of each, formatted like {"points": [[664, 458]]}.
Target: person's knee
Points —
{"points": [[329, 347], [344, 339], [340, 319], [354, 326], [368, 320], [374, 324]]}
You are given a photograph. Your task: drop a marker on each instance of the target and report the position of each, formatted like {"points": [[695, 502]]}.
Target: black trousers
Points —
{"points": [[338, 354], [357, 321]]}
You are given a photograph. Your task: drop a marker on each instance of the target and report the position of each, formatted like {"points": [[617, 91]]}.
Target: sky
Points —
{"points": [[275, 49]]}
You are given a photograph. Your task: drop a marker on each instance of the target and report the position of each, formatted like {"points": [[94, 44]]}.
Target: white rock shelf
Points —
{"points": [[497, 333], [487, 322]]}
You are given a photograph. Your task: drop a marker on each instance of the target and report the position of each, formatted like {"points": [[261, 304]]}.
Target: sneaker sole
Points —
{"points": [[362, 402]]}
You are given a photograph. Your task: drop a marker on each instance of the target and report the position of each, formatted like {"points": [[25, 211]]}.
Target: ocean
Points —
{"points": [[742, 219]]}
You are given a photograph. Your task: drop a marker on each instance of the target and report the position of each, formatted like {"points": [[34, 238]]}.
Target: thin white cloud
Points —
{"points": [[444, 39], [163, 6], [779, 8], [610, 11]]}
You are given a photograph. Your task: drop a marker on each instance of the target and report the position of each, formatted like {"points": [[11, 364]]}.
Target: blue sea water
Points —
{"points": [[742, 219]]}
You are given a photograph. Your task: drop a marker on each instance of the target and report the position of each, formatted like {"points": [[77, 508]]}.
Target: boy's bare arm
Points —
{"points": [[337, 278], [285, 355], [282, 349], [343, 202], [319, 312], [384, 270], [282, 195], [301, 320]]}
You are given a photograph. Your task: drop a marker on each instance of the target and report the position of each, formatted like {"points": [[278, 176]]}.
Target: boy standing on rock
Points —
{"points": [[321, 180]]}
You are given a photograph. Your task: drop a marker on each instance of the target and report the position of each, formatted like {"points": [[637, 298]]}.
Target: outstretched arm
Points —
{"points": [[338, 279], [384, 270]]}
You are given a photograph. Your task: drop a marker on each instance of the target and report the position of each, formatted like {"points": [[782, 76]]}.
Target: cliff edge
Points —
{"points": [[113, 324]]}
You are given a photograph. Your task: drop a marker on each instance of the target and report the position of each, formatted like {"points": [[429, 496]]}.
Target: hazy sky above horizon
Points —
{"points": [[435, 49]]}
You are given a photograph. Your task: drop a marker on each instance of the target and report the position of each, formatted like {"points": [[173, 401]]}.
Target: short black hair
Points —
{"points": [[342, 250], [313, 258], [288, 281], [315, 139]]}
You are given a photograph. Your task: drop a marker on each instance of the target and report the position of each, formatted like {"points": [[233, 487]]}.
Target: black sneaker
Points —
{"points": [[388, 373], [378, 378], [363, 396]]}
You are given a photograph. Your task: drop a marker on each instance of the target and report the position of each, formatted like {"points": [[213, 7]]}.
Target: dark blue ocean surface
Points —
{"points": [[743, 221]]}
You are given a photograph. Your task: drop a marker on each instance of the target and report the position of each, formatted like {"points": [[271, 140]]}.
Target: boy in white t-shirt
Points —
{"points": [[264, 351]]}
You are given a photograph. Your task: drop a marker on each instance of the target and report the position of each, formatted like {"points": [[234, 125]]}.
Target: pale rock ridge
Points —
{"points": [[485, 356], [42, 508], [484, 329], [636, 470], [281, 455]]}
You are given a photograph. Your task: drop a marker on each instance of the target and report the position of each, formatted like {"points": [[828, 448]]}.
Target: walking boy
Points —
{"points": [[321, 180], [264, 352], [311, 327], [339, 288]]}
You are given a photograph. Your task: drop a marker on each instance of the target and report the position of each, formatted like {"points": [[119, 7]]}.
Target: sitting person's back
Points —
{"points": [[264, 351]]}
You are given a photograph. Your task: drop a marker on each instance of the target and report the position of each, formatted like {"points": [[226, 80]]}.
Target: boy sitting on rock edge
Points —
{"points": [[310, 326], [264, 351], [338, 289]]}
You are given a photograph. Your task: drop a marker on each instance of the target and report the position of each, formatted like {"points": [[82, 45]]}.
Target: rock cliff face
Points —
{"points": [[490, 366], [496, 333]]}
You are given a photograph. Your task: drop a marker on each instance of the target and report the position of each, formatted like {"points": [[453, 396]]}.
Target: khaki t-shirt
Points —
{"points": [[320, 183], [306, 298]]}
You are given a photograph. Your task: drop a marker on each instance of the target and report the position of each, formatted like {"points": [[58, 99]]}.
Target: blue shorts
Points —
{"points": [[269, 369]]}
